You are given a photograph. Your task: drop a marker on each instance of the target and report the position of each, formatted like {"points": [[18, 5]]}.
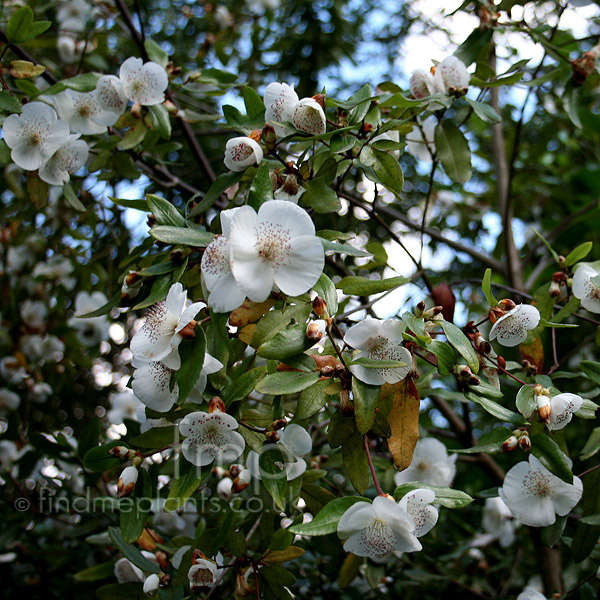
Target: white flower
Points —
{"points": [[224, 488], [9, 401], [40, 392], [93, 330], [35, 135], [69, 158], [497, 521], [223, 17], [127, 481], [379, 340], [58, 269], [290, 190], [377, 530], [34, 313], [296, 442], [151, 383], [259, 6], [151, 584], [210, 436], [562, 407], [241, 152], [174, 523], [420, 141], [83, 112], [530, 593], [111, 95], [309, 117], [277, 246], [430, 464], [158, 338], [225, 294], [69, 49], [124, 405], [422, 84], [280, 102], [418, 506], [11, 370], [9, 454], [535, 496], [209, 366], [73, 15], [586, 287], [126, 572], [451, 76], [19, 257], [511, 329], [143, 83], [202, 574]]}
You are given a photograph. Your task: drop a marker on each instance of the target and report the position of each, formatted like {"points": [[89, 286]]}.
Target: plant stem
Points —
{"points": [[380, 492]]}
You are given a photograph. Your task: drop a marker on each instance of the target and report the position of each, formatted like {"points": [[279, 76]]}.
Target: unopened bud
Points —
{"points": [[269, 136], [432, 313], [120, 452], [218, 472], [163, 560], [313, 332], [256, 135], [127, 481], [554, 289], [176, 256], [216, 404], [327, 371], [540, 390], [278, 424], [525, 443], [501, 362], [241, 482], [559, 277], [506, 304], [320, 99], [474, 380], [235, 470], [510, 444], [132, 278], [151, 220], [136, 110], [544, 410], [188, 333], [151, 584], [346, 406], [319, 306], [272, 436], [420, 309], [495, 313], [224, 488]]}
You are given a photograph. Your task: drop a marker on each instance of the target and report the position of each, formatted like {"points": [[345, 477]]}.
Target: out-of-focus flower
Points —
{"points": [[57, 269], [90, 331], [290, 190], [68, 159], [430, 464], [223, 17], [419, 142], [73, 15], [34, 313], [9, 401]]}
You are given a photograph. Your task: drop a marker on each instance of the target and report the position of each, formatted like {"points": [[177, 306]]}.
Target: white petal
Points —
{"points": [[295, 469], [309, 117], [358, 335], [451, 75], [562, 407], [304, 267], [421, 84], [417, 505], [111, 96], [242, 152], [176, 299], [289, 217], [296, 439], [189, 314], [355, 519], [585, 289], [151, 386], [280, 100], [27, 157], [566, 496]]}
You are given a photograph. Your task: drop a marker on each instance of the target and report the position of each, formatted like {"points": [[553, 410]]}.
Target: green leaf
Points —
{"points": [[388, 171], [253, 102], [192, 361], [158, 292], [286, 343], [272, 463], [133, 137], [484, 111], [343, 249], [160, 120], [489, 443], [355, 462], [453, 151], [135, 204], [72, 200], [586, 536], [462, 344], [103, 310], [131, 553], [312, 400], [181, 235], [444, 354], [578, 253], [37, 28], [485, 389], [19, 25], [97, 572], [371, 363], [325, 288], [9, 103], [156, 53], [187, 480], [592, 445], [496, 410], [443, 495], [121, 591], [276, 320], [158, 437], [361, 286], [365, 400], [320, 196], [133, 518], [547, 451], [326, 520], [340, 429], [552, 533], [222, 183], [486, 288], [286, 382], [591, 369], [543, 239], [473, 45], [164, 211], [99, 459]]}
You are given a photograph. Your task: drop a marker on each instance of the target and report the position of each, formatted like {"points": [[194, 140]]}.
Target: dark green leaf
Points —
{"points": [[547, 451], [453, 151], [326, 520]]}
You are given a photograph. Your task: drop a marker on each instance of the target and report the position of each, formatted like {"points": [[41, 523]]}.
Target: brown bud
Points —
{"points": [[313, 333], [132, 278], [506, 304], [420, 309], [239, 486], [525, 443], [269, 136], [235, 470], [501, 362], [151, 220], [319, 306], [485, 347], [327, 371], [554, 289], [559, 277], [197, 555], [136, 110], [346, 406], [544, 413], [162, 559], [216, 404], [119, 451], [176, 256], [474, 380], [433, 312], [510, 444], [272, 436], [495, 313], [320, 99]]}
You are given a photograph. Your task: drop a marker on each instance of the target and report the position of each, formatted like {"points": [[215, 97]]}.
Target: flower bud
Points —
{"points": [[433, 312], [525, 442], [543, 407], [188, 333], [319, 306], [451, 75], [127, 481], [554, 289], [163, 562], [313, 332], [327, 371], [241, 482], [420, 309], [474, 380], [309, 117], [120, 452], [510, 444], [224, 488], [421, 84], [320, 100], [151, 220], [269, 136], [506, 304], [176, 256], [151, 584], [216, 404], [277, 424], [241, 152], [272, 436]]}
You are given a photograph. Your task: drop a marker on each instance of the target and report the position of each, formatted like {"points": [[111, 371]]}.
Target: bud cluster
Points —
{"points": [[519, 438]]}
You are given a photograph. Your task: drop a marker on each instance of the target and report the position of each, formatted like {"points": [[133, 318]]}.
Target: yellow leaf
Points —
{"points": [[290, 553], [349, 570], [404, 422], [249, 312], [534, 353], [246, 333], [23, 69]]}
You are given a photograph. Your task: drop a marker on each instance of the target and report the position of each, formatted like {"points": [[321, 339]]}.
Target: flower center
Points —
{"points": [[378, 538], [537, 484], [273, 244]]}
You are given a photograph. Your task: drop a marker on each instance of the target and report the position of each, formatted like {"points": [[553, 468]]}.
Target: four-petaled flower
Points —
{"points": [[586, 287], [143, 83], [242, 152], [535, 496], [69, 158], [210, 436], [379, 529], [511, 328], [35, 135], [158, 338], [430, 464], [277, 246], [379, 340]]}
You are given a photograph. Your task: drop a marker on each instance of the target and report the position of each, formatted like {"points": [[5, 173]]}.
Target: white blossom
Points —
{"points": [[290, 190], [377, 530], [158, 338], [225, 293], [69, 48], [430, 464], [209, 437], [210, 365], [511, 328], [73, 15], [498, 523], [309, 117], [124, 405], [143, 83], [151, 584], [34, 135], [69, 158], [125, 572], [535, 496], [280, 101], [201, 574], [530, 593], [223, 17], [586, 287], [11, 370], [277, 246], [417, 504], [83, 112], [34, 313], [92, 330], [422, 84], [57, 269], [40, 392], [242, 152], [294, 442], [562, 407], [224, 488], [9, 401], [451, 76], [111, 95], [379, 340]]}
